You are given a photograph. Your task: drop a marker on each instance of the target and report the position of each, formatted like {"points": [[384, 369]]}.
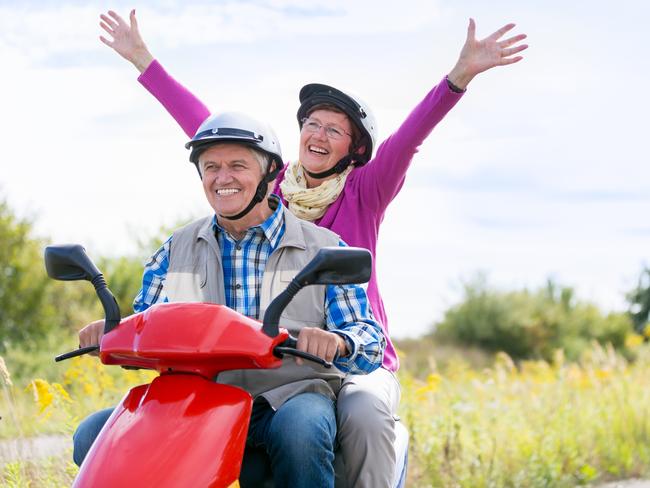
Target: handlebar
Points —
{"points": [[286, 347], [289, 347], [76, 352]]}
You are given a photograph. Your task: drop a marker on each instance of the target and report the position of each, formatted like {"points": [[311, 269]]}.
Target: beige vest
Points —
{"points": [[195, 274]]}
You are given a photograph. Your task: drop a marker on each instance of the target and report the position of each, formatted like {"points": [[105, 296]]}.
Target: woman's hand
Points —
{"points": [[480, 55], [127, 41]]}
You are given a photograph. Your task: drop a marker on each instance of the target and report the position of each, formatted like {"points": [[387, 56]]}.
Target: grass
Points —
{"points": [[534, 424]]}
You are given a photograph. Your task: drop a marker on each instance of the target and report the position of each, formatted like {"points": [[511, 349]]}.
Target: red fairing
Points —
{"points": [[194, 337], [181, 430]]}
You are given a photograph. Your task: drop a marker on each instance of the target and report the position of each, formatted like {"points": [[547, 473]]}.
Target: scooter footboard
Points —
{"points": [[180, 430]]}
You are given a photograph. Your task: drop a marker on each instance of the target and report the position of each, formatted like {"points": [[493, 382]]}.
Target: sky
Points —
{"points": [[540, 171]]}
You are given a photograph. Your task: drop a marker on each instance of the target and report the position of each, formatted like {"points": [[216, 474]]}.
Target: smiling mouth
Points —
{"points": [[226, 192], [318, 150]]}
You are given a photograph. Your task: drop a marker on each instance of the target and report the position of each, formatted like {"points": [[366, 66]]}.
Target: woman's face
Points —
{"points": [[318, 152]]}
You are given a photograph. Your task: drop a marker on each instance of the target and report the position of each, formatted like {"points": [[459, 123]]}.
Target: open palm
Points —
{"points": [[126, 39], [481, 55]]}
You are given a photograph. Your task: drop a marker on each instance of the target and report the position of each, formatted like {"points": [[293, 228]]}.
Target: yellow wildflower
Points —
{"points": [[61, 393], [632, 341], [603, 374], [42, 394]]}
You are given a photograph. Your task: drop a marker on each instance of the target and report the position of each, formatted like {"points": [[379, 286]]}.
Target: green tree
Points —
{"points": [[25, 312]]}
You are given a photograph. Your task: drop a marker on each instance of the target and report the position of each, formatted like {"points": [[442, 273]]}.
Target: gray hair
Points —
{"points": [[260, 156], [263, 158]]}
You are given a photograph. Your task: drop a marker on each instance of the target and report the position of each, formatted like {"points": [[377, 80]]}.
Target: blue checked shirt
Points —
{"points": [[346, 307]]}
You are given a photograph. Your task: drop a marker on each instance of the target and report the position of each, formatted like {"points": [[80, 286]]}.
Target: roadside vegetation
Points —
{"points": [[511, 388]]}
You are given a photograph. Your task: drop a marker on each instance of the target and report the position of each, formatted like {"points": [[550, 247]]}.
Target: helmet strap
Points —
{"points": [[260, 192], [338, 168], [353, 158]]}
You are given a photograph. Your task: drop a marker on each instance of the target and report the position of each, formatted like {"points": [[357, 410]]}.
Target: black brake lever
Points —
{"points": [[76, 352]]}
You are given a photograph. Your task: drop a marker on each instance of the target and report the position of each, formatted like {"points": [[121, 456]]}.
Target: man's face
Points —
{"points": [[317, 151], [231, 174]]}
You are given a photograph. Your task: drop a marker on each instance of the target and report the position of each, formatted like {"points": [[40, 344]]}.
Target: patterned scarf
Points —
{"points": [[310, 203]]}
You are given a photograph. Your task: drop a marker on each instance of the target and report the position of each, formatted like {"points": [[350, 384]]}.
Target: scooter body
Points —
{"points": [[183, 429]]}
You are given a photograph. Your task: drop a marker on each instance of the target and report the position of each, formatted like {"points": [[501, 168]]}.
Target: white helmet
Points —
{"points": [[239, 128]]}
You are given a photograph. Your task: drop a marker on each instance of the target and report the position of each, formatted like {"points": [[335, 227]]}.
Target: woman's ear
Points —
{"points": [[361, 150]]}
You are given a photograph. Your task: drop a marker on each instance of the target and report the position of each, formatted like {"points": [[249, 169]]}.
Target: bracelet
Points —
{"points": [[453, 87]]}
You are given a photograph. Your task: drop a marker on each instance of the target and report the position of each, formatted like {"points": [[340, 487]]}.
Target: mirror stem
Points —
{"points": [[111, 309], [277, 306]]}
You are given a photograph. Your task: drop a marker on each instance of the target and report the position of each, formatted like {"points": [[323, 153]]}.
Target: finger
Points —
{"points": [[109, 21], [98, 332], [512, 40], [106, 41], [107, 29], [331, 351], [303, 341], [321, 347], [82, 338], [513, 50], [133, 20], [117, 18], [471, 30], [506, 61], [496, 35]]}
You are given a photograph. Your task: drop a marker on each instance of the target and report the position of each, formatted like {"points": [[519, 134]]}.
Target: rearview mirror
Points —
{"points": [[69, 262], [331, 266], [337, 266]]}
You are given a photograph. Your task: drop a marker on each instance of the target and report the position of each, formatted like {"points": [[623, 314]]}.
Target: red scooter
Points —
{"points": [[184, 429]]}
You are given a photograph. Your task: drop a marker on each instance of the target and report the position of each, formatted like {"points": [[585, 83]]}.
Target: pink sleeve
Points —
{"points": [[187, 110], [383, 176]]}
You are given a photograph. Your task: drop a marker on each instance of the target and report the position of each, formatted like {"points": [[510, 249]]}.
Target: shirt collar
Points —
{"points": [[272, 227]]}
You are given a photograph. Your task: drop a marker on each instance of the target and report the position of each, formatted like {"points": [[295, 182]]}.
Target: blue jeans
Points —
{"points": [[299, 439]]}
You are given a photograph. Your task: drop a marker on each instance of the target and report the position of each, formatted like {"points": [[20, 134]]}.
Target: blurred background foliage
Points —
{"points": [[40, 316], [529, 387]]}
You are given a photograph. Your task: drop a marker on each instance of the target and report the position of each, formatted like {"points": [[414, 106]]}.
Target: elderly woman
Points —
{"points": [[338, 184]]}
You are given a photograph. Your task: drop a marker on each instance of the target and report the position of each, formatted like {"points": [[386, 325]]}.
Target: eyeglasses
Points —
{"points": [[331, 131]]}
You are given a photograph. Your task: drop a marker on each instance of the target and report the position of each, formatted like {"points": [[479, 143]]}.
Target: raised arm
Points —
{"points": [[125, 39], [384, 175]]}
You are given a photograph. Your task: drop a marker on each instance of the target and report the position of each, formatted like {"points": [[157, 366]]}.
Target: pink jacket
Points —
{"points": [[358, 212]]}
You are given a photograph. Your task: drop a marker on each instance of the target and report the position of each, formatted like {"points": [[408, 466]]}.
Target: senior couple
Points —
{"points": [[266, 212]]}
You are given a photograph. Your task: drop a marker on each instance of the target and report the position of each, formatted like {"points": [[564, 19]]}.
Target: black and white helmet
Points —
{"points": [[358, 111], [238, 128]]}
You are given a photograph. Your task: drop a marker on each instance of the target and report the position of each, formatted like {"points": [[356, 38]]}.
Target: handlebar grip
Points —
{"points": [[76, 352], [290, 341], [280, 350]]}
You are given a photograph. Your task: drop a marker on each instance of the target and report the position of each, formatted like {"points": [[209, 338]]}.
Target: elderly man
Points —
{"points": [[243, 256]]}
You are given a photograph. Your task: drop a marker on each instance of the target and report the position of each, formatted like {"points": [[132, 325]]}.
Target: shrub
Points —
{"points": [[530, 324]]}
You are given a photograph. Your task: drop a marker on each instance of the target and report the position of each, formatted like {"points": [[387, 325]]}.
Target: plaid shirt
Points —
{"points": [[346, 307]]}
